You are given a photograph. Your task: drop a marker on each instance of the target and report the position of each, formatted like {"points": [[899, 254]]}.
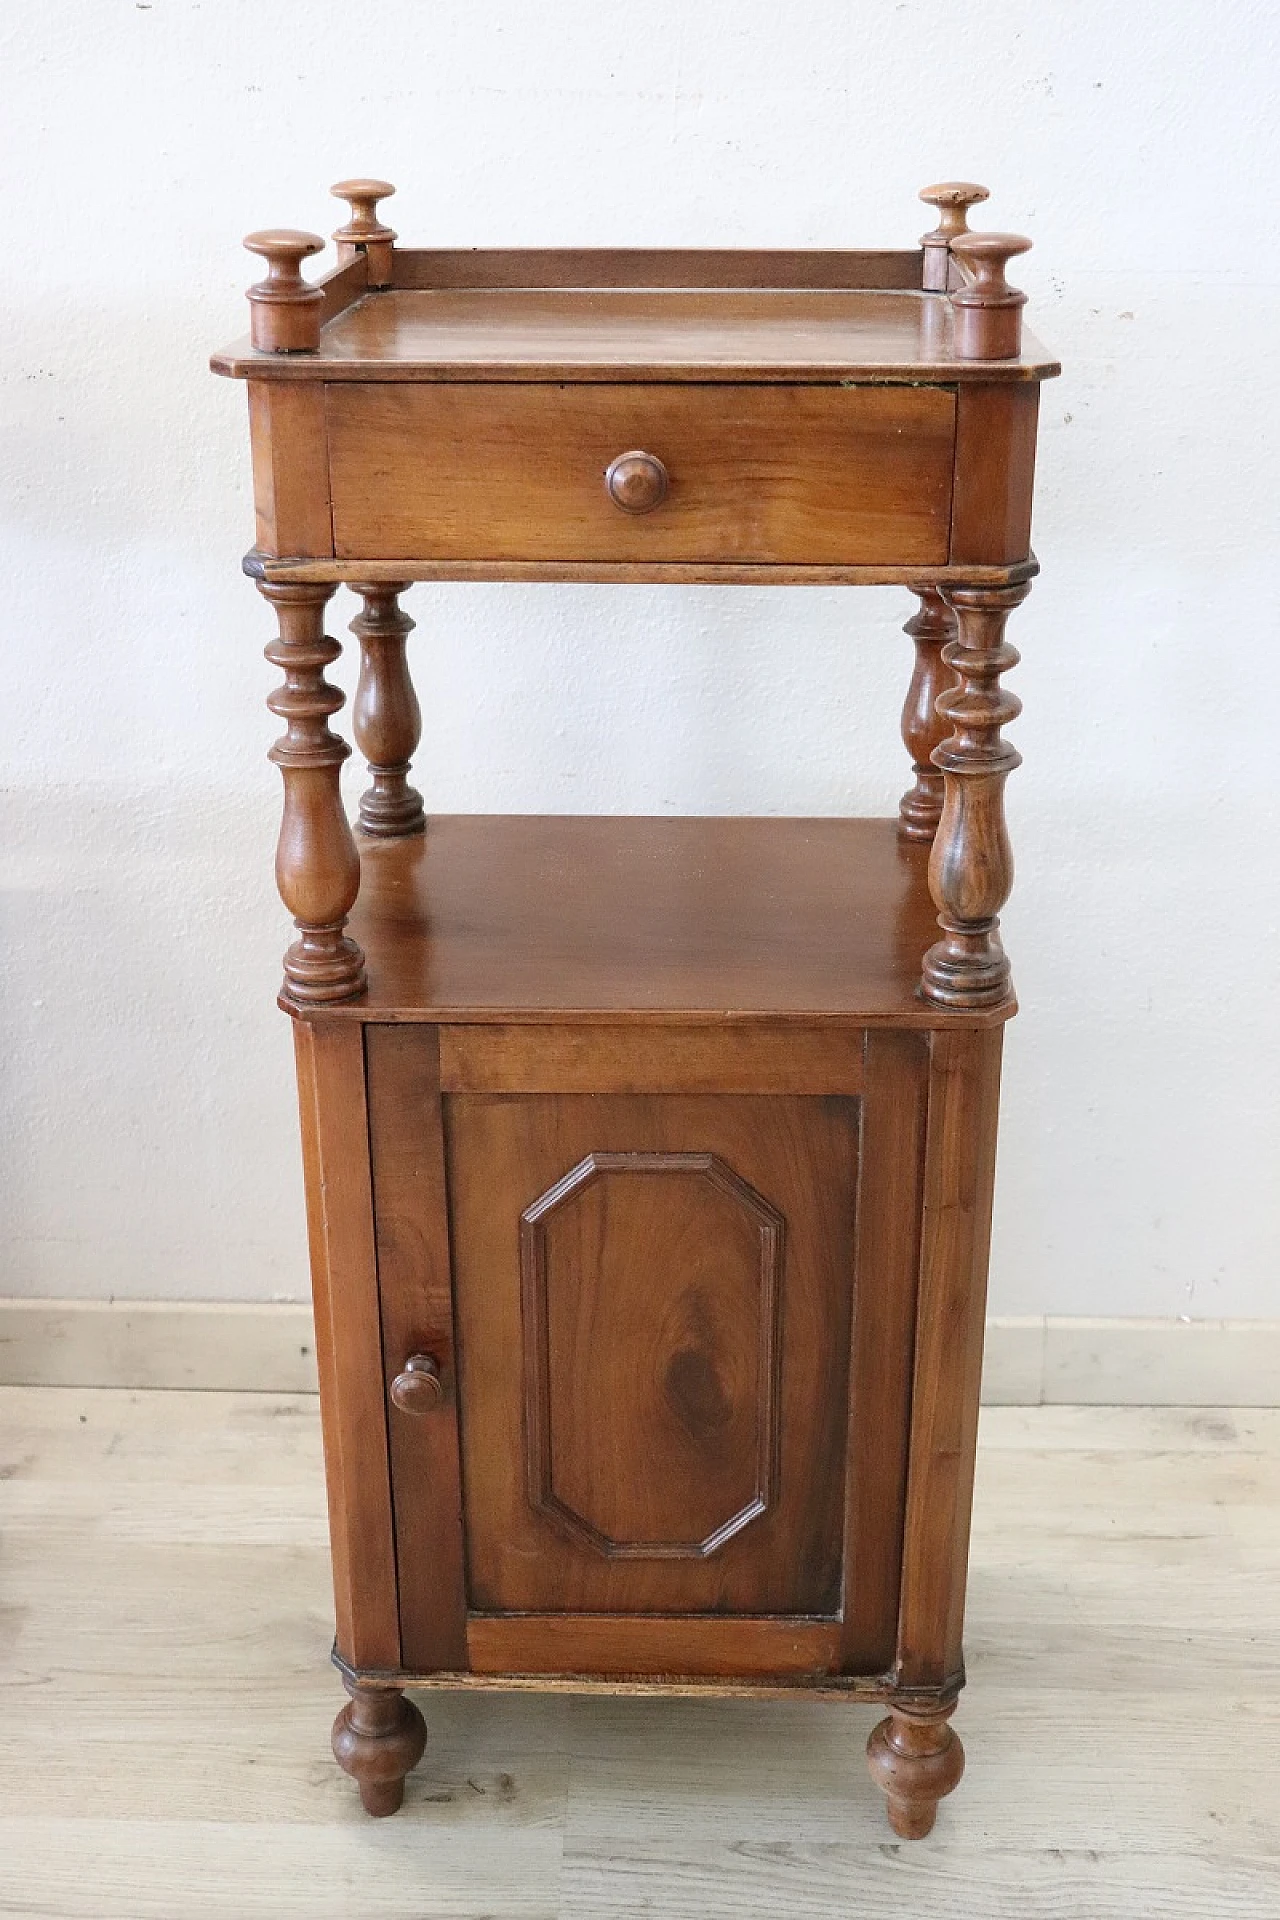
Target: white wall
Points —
{"points": [[149, 1144]]}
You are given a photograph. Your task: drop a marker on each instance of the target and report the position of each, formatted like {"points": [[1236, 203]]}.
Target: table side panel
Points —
{"points": [[959, 1178], [890, 1197], [995, 475], [335, 1142], [699, 268], [639, 1644], [415, 1284], [290, 454], [719, 1059]]}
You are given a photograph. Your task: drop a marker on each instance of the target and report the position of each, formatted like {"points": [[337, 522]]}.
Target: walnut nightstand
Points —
{"points": [[649, 1162]]}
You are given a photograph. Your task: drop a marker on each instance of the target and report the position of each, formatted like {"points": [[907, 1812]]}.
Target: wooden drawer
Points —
{"points": [[799, 475]]}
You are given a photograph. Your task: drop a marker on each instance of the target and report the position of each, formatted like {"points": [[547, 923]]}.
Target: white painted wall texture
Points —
{"points": [[148, 1145]]}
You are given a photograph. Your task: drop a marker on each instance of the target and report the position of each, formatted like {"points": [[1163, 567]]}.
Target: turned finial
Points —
{"points": [[952, 198], [989, 311], [364, 232], [284, 310]]}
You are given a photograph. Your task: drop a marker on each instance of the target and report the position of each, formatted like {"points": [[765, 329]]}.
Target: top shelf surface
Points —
{"points": [[807, 332]]}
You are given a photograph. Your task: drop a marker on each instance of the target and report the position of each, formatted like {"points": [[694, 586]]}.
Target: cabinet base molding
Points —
{"points": [[872, 1689]]}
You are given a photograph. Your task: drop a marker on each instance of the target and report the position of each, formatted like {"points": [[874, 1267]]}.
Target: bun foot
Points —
{"points": [[378, 1739], [915, 1761], [381, 1797]]}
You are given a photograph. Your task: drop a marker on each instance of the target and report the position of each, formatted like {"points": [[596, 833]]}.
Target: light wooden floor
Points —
{"points": [[164, 1629]]}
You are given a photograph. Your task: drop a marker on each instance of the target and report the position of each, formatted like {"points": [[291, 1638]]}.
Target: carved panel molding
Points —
{"points": [[704, 1337]]}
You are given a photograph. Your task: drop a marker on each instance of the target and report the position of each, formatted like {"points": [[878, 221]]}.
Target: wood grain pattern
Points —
{"points": [[378, 1737], [284, 311], [406, 1142], [385, 716], [317, 866], [915, 1759], [344, 1280], [988, 311], [971, 861], [995, 474], [629, 1645], [756, 474], [659, 1683], [718, 1059], [290, 451], [592, 268], [342, 287], [891, 1153], [635, 573], [952, 199], [652, 1309], [724, 335], [651, 1293], [365, 236], [923, 727], [964, 1092], [525, 919], [165, 1563], [647, 334]]}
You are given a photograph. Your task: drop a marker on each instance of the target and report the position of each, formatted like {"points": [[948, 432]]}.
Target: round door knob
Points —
{"points": [[419, 1389], [637, 482]]}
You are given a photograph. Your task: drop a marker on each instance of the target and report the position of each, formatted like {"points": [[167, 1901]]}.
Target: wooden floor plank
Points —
{"points": [[906, 1881], [349, 1869], [165, 1619]]}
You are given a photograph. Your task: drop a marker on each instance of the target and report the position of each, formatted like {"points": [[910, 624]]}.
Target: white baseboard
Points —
{"points": [[1074, 1361], [271, 1349], [157, 1343]]}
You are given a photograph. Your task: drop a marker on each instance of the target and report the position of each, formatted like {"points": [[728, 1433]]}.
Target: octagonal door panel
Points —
{"points": [[653, 1302]]}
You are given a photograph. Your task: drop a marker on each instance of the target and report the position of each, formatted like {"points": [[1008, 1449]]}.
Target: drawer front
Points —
{"points": [[768, 475]]}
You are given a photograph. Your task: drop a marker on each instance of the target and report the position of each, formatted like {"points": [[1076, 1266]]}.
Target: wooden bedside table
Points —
{"points": [[649, 1162]]}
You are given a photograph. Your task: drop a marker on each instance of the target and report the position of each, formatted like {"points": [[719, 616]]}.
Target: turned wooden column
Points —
{"points": [[386, 719], [378, 1738], [317, 865], [923, 727], [971, 866]]}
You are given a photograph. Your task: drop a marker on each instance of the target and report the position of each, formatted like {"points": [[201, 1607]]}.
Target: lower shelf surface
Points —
{"points": [[553, 917]]}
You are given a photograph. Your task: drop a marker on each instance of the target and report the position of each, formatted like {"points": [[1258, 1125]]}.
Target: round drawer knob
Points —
{"points": [[637, 482], [419, 1389]]}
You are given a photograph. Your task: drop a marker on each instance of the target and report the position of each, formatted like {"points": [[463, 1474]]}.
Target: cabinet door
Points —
{"points": [[653, 1297], [674, 1336]]}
